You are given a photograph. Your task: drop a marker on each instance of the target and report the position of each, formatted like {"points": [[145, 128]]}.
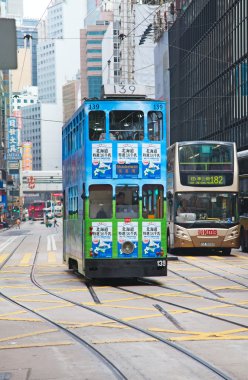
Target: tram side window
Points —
{"points": [[100, 200], [73, 202], [127, 201], [153, 201], [97, 125], [155, 125], [126, 125]]}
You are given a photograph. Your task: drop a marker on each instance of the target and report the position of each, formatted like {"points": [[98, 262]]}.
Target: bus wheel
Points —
{"points": [[242, 241], [169, 249], [226, 251]]}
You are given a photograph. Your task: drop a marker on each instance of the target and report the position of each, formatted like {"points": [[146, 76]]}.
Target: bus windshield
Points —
{"points": [[206, 207]]}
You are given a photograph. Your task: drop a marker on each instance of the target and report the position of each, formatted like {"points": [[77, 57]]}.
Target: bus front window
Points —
{"points": [[127, 202], [100, 200], [206, 207]]}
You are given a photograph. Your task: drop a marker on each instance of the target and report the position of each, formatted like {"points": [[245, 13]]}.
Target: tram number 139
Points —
{"points": [[161, 263]]}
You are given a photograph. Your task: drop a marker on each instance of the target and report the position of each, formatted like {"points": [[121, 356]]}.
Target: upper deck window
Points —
{"points": [[126, 125], [97, 125], [206, 157], [155, 125]]}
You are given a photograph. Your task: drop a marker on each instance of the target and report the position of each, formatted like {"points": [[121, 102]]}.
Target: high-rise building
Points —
{"points": [[14, 8], [208, 72], [58, 61]]}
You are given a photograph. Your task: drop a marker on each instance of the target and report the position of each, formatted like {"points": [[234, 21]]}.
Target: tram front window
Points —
{"points": [[97, 125], [100, 199], [127, 202], [206, 207], [155, 125], [126, 125], [152, 201]]}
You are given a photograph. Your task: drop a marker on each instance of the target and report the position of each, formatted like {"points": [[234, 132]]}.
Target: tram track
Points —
{"points": [[179, 348], [116, 371], [111, 366], [215, 274]]}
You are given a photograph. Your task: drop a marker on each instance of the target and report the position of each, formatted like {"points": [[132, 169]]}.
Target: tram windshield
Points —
{"points": [[126, 125], [206, 207]]}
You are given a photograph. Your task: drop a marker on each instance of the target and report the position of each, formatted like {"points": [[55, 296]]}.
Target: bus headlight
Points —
{"points": [[182, 233], [127, 247], [232, 233]]}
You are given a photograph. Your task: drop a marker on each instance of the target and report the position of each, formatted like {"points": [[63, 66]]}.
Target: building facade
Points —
{"points": [[209, 72]]}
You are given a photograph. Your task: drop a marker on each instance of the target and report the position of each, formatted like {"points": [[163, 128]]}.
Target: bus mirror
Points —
{"points": [[169, 195]]}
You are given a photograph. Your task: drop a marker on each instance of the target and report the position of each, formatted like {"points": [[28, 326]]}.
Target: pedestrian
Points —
{"points": [[18, 223], [55, 223]]}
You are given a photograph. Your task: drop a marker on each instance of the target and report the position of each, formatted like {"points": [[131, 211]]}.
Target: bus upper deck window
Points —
{"points": [[100, 197], [155, 125], [126, 125], [97, 125]]}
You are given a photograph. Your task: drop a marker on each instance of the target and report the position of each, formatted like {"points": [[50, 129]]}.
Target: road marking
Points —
{"points": [[26, 259], [6, 243], [28, 334], [31, 345], [51, 245], [3, 257], [131, 340], [52, 258]]}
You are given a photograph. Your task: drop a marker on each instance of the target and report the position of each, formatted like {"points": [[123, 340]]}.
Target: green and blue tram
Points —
{"points": [[114, 176]]}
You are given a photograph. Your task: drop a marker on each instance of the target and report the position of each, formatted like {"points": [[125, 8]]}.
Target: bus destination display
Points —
{"points": [[206, 180]]}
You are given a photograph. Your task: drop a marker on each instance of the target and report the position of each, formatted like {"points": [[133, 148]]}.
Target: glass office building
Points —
{"points": [[209, 72]]}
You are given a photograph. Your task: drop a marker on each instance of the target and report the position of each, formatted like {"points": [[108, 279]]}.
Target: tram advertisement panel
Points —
{"points": [[102, 239], [102, 160], [151, 161], [127, 232], [127, 166], [151, 239]]}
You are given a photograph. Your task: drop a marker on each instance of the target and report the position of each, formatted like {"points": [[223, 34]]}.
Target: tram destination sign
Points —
{"points": [[127, 170], [206, 180]]}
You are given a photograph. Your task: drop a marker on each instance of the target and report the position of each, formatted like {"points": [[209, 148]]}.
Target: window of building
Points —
{"points": [[100, 201]]}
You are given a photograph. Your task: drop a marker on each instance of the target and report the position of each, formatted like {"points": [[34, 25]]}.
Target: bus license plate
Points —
{"points": [[204, 244]]}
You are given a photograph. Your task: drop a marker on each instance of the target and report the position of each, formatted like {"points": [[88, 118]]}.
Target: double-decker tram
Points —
{"points": [[243, 199], [202, 196], [114, 174]]}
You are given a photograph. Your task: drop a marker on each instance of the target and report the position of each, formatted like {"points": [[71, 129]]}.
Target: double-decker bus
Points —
{"points": [[202, 196], [114, 173], [35, 210], [243, 199]]}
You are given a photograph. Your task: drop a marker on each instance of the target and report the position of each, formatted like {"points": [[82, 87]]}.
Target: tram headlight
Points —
{"points": [[127, 247]]}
